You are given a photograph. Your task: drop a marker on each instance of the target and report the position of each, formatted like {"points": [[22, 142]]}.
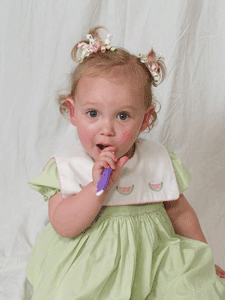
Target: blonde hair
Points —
{"points": [[115, 65]]}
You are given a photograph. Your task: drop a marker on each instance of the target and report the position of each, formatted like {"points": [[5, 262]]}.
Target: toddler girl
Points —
{"points": [[140, 239]]}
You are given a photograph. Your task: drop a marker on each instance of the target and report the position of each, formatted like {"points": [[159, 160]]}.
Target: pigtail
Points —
{"points": [[155, 64], [94, 32], [74, 52]]}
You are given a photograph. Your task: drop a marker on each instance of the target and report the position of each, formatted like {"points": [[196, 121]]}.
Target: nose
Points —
{"points": [[107, 128]]}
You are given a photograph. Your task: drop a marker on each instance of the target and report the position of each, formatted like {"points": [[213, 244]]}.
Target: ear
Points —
{"points": [[70, 103], [147, 117]]}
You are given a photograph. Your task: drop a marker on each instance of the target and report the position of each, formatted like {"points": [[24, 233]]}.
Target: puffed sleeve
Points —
{"points": [[181, 172], [47, 183]]}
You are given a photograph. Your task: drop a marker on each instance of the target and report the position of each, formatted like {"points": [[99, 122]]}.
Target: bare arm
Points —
{"points": [[184, 219], [70, 216]]}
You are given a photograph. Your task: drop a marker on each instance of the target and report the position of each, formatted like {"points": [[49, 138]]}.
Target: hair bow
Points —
{"points": [[154, 66], [94, 45]]}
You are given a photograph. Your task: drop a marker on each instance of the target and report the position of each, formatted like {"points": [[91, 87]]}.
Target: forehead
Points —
{"points": [[127, 75], [117, 73], [101, 88]]}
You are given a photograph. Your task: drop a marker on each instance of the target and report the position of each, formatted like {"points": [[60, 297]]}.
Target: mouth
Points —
{"points": [[101, 147]]}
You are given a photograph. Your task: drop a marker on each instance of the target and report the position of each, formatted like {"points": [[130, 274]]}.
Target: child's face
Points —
{"points": [[108, 113]]}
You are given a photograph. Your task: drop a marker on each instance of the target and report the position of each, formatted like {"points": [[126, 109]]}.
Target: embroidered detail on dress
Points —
{"points": [[125, 190], [156, 186], [133, 216]]}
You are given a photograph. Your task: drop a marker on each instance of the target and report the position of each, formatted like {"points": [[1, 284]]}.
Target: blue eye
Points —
{"points": [[92, 113], [124, 115]]}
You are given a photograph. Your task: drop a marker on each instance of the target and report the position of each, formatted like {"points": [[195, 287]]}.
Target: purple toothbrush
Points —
{"points": [[103, 181]]}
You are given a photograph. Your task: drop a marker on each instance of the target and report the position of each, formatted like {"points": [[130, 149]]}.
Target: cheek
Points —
{"points": [[126, 136], [85, 135]]}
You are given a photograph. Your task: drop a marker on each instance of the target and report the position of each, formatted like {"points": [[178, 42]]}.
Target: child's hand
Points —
{"points": [[108, 159], [220, 272]]}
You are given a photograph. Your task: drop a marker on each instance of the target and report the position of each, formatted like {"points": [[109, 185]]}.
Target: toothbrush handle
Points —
{"points": [[103, 181]]}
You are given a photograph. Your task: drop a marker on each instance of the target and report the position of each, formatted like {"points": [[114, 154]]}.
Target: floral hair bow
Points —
{"points": [[94, 46], [153, 67]]}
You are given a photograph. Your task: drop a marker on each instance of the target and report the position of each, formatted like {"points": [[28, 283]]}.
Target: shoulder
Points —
{"points": [[172, 155], [182, 174], [47, 183], [49, 171]]}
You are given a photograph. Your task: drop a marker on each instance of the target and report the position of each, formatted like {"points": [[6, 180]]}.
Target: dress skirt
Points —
{"points": [[129, 253]]}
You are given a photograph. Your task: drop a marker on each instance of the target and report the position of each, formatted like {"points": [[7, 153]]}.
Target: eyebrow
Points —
{"points": [[122, 108]]}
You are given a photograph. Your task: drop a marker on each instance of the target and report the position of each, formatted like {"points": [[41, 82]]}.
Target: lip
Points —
{"points": [[99, 150], [104, 144]]}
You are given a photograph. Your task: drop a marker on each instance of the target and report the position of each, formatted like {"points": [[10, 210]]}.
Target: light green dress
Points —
{"points": [[128, 252]]}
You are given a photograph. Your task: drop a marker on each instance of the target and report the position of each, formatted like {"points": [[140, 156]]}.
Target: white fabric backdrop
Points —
{"points": [[36, 40]]}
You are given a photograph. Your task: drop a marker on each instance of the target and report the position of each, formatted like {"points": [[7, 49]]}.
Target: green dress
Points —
{"points": [[128, 252]]}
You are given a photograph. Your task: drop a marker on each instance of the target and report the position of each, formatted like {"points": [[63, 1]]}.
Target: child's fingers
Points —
{"points": [[108, 155], [220, 272], [115, 174], [110, 162], [109, 149], [104, 162], [107, 159], [219, 269], [108, 152], [122, 161], [119, 165], [97, 170]]}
